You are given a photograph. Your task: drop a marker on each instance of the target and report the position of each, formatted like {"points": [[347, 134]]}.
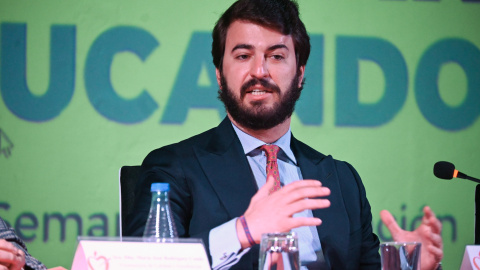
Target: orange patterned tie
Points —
{"points": [[271, 152]]}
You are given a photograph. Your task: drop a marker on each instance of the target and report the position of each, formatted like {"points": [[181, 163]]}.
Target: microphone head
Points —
{"points": [[444, 170]]}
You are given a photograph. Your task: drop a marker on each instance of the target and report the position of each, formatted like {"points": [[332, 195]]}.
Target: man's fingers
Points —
{"points": [[390, 222], [309, 204], [302, 184], [436, 252], [270, 212], [430, 236], [427, 211], [7, 246], [11, 259], [304, 221], [303, 193], [300, 190], [436, 240], [20, 253], [431, 220], [265, 190], [6, 257]]}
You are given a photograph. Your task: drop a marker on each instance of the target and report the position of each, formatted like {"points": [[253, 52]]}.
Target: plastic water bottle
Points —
{"points": [[160, 225]]}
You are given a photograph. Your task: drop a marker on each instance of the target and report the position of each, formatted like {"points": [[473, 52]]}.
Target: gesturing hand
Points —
{"points": [[428, 233], [274, 212], [11, 257]]}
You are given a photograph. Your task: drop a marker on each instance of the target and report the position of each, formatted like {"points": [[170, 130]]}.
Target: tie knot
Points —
{"points": [[271, 151]]}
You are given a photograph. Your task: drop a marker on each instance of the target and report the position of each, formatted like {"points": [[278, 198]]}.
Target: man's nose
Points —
{"points": [[259, 68]]}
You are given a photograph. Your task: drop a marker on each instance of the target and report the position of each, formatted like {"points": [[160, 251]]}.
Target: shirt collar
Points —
{"points": [[250, 143]]}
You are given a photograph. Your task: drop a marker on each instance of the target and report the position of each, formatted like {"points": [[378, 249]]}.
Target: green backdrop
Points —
{"points": [[88, 86]]}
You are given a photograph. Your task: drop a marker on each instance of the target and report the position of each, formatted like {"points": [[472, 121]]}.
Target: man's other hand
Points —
{"points": [[428, 233]]}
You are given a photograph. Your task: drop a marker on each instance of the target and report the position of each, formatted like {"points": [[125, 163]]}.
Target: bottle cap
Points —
{"points": [[160, 187]]}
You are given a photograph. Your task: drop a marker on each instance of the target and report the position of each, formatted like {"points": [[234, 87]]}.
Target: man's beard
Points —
{"points": [[259, 116]]}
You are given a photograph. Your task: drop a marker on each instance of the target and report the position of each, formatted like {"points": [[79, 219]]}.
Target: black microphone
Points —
{"points": [[446, 170]]}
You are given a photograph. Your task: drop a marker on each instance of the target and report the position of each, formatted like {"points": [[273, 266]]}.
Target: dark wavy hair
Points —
{"points": [[278, 15]]}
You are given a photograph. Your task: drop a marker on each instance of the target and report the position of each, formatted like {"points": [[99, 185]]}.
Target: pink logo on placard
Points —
{"points": [[475, 260], [96, 262]]}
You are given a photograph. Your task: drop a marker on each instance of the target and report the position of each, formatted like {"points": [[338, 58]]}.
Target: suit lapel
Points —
{"points": [[334, 231], [227, 169]]}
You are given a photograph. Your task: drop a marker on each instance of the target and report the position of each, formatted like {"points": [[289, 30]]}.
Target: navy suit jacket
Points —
{"points": [[211, 183]]}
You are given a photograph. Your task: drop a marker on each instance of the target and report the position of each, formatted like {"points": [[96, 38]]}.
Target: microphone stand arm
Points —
{"points": [[472, 179]]}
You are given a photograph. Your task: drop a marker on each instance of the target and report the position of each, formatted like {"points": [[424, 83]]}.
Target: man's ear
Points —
{"points": [[219, 80], [301, 74]]}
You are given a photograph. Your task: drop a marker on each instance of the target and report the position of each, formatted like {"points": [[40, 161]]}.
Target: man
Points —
{"points": [[220, 191]]}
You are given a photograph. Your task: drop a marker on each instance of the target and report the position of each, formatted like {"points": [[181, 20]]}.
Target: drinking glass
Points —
{"points": [[400, 255], [279, 251]]}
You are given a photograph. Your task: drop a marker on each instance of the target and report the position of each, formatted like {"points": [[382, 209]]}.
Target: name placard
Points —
{"points": [[471, 258], [110, 254]]}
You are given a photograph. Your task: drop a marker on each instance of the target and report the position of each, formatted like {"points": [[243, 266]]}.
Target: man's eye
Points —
{"points": [[277, 57], [242, 57]]}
